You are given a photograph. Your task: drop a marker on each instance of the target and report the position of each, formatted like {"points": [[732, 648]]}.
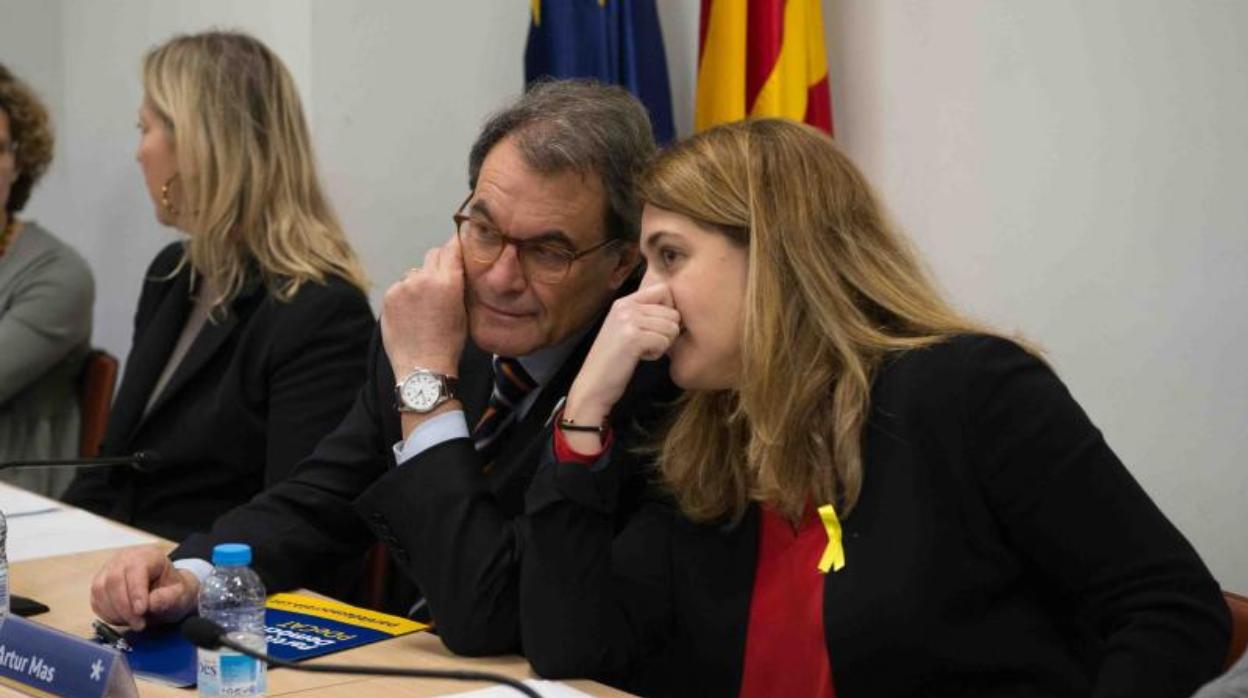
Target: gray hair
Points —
{"points": [[578, 126]]}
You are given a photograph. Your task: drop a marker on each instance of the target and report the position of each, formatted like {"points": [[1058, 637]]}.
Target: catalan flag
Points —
{"points": [[762, 58], [615, 41]]}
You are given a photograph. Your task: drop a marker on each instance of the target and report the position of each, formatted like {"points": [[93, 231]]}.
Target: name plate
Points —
{"points": [[40, 661]]}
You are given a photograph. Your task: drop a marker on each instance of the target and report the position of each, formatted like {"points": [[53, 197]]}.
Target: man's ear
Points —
{"points": [[628, 258]]}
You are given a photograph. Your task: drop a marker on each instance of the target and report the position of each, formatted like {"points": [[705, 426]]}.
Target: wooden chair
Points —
{"points": [[95, 399], [376, 576], [1239, 625]]}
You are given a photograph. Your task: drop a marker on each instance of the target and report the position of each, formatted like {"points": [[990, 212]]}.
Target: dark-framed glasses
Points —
{"points": [[544, 261]]}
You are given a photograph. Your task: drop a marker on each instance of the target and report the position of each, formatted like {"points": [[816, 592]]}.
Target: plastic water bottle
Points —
{"points": [[4, 566], [233, 597]]}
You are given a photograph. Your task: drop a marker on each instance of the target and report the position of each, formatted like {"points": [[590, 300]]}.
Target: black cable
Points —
{"points": [[209, 635]]}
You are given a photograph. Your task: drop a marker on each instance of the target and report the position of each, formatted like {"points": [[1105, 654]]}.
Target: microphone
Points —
{"points": [[208, 635], [142, 461]]}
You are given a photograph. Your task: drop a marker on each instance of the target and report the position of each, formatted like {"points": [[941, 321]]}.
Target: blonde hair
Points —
{"points": [[251, 200], [832, 290]]}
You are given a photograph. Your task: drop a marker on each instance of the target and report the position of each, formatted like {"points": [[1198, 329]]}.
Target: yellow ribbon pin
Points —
{"points": [[834, 554]]}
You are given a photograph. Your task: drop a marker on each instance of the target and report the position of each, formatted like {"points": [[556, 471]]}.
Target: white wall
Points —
{"points": [[30, 45], [94, 196], [1071, 170], [1077, 171], [401, 92]]}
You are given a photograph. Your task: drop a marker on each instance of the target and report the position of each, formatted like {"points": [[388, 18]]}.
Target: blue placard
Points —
{"points": [[297, 627], [42, 661], [161, 654]]}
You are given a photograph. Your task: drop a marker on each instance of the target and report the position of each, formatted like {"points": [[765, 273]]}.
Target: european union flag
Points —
{"points": [[615, 41]]}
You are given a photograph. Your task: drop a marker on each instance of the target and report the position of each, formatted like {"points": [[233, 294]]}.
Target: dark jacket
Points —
{"points": [[998, 548], [451, 526], [251, 397]]}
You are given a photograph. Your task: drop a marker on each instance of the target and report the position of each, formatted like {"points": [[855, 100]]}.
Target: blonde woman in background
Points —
{"points": [[46, 293], [250, 336], [862, 492]]}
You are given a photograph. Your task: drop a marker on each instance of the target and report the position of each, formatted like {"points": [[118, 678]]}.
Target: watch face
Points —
{"points": [[421, 391]]}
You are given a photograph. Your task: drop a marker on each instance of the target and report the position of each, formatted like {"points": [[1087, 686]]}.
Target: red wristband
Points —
{"points": [[564, 452]]}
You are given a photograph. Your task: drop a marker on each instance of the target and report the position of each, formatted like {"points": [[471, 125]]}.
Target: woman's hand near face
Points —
{"points": [[639, 327]]}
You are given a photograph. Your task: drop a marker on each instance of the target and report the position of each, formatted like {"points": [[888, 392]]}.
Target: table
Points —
{"points": [[41, 527], [63, 582]]}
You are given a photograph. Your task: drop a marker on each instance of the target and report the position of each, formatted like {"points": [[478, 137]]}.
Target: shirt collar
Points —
{"points": [[543, 364]]}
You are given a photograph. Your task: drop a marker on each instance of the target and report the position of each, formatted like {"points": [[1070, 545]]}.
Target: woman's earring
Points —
{"points": [[164, 197]]}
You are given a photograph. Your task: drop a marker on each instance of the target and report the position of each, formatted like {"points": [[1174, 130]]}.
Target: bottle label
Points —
{"points": [[228, 673], [240, 675]]}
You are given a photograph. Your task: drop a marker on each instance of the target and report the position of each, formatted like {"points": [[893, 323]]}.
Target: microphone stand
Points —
{"points": [[208, 635], [140, 461]]}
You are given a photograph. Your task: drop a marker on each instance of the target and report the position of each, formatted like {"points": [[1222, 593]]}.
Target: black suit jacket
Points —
{"points": [[450, 526], [252, 395], [998, 548]]}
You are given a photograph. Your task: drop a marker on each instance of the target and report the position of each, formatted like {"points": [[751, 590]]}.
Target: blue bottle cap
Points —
{"points": [[231, 554]]}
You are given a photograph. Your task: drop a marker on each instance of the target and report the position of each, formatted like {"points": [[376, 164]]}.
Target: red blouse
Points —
{"points": [[785, 651]]}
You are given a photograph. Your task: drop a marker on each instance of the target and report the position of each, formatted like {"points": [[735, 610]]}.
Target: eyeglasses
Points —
{"points": [[542, 261]]}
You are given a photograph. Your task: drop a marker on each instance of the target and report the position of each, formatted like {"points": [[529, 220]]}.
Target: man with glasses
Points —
{"points": [[476, 348]]}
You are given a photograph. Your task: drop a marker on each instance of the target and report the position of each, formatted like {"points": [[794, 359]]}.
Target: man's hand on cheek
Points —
{"points": [[423, 320]]}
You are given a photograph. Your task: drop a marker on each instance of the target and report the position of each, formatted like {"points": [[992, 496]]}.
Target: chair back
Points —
{"points": [[1239, 625], [376, 576], [95, 399]]}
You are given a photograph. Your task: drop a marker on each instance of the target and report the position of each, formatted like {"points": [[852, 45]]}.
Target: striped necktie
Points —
{"points": [[511, 385]]}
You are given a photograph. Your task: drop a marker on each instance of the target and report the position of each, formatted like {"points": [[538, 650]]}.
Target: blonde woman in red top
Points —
{"points": [[862, 493]]}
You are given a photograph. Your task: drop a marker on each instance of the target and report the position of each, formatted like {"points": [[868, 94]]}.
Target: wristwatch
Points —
{"points": [[423, 390]]}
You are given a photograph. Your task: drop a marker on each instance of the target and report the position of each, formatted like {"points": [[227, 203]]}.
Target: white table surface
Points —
{"points": [[41, 527]]}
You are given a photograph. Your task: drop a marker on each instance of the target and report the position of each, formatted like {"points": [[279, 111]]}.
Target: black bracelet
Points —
{"points": [[569, 425]]}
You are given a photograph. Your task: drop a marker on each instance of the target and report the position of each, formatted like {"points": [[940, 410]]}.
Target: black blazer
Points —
{"points": [[250, 398], [450, 526], [998, 548]]}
